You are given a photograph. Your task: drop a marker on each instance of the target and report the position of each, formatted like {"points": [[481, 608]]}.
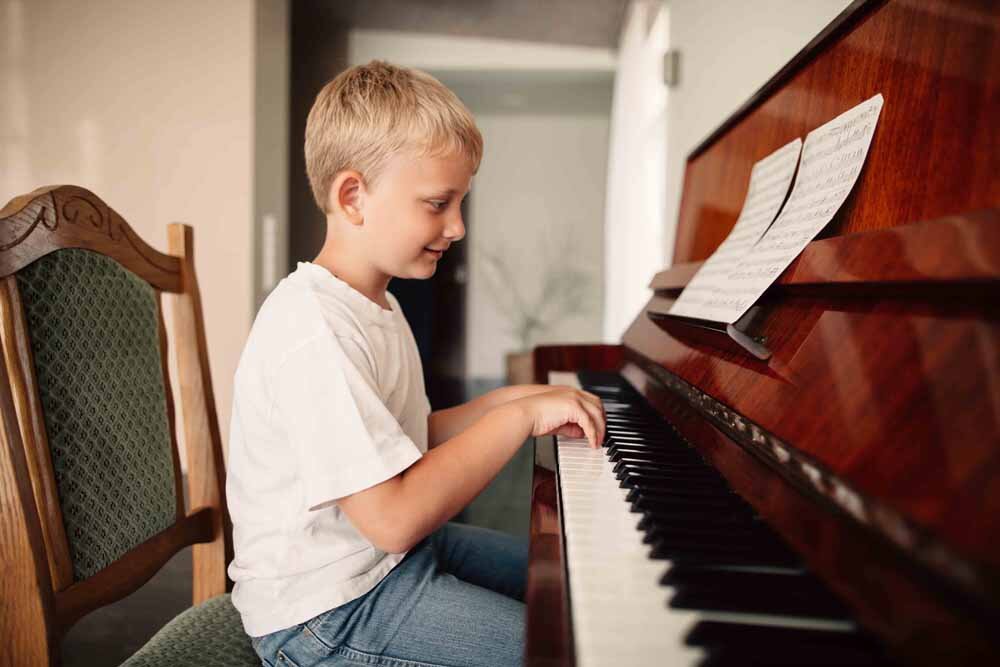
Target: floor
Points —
{"points": [[110, 635]]}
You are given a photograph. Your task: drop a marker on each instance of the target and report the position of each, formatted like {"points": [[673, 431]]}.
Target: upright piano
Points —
{"points": [[838, 503]]}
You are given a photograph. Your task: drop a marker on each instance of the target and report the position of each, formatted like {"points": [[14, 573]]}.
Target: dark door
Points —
{"points": [[435, 309]]}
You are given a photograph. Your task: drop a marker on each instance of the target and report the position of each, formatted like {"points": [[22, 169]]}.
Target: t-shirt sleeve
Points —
{"points": [[346, 439]]}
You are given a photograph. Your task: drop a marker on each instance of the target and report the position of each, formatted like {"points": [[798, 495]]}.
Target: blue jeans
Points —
{"points": [[455, 599]]}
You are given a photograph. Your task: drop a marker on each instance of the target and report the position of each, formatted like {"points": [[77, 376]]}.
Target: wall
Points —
{"points": [[270, 163], [729, 49], [151, 106], [538, 202]]}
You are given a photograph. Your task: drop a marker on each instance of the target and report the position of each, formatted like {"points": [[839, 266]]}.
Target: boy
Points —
{"points": [[341, 480]]}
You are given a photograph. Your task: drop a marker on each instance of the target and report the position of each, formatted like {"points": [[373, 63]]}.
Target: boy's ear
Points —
{"points": [[347, 196]]}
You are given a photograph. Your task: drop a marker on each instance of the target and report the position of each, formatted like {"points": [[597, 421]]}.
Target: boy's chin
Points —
{"points": [[420, 271]]}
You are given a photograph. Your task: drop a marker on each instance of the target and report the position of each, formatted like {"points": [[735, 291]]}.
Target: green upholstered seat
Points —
{"points": [[96, 347], [209, 635]]}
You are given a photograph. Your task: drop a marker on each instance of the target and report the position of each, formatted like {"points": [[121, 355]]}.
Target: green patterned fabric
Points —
{"points": [[95, 338], [209, 635]]}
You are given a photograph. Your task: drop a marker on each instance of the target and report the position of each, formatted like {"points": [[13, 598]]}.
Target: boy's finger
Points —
{"points": [[595, 401], [586, 421], [597, 417]]}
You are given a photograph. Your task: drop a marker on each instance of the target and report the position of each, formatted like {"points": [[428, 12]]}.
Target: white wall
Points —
{"points": [[449, 53], [539, 195], [270, 161], [729, 49], [151, 106]]}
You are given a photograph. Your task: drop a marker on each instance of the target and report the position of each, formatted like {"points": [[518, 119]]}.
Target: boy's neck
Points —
{"points": [[367, 280]]}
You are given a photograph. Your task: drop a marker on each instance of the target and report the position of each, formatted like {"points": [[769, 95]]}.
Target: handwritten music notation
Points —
{"points": [[832, 157], [769, 181]]}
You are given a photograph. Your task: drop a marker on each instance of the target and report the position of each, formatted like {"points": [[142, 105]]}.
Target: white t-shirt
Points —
{"points": [[328, 400]]}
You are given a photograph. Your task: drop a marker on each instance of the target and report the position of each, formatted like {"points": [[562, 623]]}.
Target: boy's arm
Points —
{"points": [[402, 510], [445, 424]]}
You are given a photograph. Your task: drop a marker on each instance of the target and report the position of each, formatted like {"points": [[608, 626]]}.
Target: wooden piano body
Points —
{"points": [[871, 439]]}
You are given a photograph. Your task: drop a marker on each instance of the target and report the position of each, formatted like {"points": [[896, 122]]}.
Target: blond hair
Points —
{"points": [[370, 112]]}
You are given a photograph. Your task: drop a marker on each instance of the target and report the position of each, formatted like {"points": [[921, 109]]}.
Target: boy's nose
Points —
{"points": [[455, 229]]}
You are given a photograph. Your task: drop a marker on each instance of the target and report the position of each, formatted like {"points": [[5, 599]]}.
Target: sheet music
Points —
{"points": [[769, 181], [832, 158]]}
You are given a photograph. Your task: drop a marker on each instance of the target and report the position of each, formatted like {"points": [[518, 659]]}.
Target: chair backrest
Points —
{"points": [[91, 498]]}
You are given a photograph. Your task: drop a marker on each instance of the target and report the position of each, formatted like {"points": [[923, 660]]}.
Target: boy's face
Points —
{"points": [[413, 213]]}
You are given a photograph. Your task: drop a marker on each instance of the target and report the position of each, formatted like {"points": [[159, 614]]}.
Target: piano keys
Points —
{"points": [[668, 566]]}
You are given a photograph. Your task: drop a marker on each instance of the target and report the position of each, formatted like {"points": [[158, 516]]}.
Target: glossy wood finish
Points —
{"points": [[935, 152], [548, 358], [549, 640], [894, 390], [41, 599], [897, 396], [957, 250]]}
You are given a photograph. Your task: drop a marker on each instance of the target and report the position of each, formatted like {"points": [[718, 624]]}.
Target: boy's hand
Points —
{"points": [[565, 411], [516, 391]]}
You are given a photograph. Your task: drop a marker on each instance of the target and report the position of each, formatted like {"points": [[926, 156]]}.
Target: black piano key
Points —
{"points": [[794, 656], [680, 471], [644, 437], [676, 471], [616, 452], [618, 407], [784, 602], [753, 639], [634, 420], [792, 592], [658, 450], [683, 545], [713, 576], [724, 557], [618, 446], [677, 501], [653, 485], [638, 432], [722, 549], [648, 520], [676, 534]]}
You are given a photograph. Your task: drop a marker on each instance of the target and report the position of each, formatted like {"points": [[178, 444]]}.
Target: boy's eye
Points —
{"points": [[438, 204]]}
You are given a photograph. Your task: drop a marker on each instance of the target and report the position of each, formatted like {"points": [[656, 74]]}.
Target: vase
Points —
{"points": [[520, 368]]}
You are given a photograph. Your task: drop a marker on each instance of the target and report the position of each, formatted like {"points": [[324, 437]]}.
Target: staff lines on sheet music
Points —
{"points": [[769, 182], [832, 158]]}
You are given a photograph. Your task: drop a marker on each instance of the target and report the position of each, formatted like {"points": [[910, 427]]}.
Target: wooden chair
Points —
{"points": [[90, 482]]}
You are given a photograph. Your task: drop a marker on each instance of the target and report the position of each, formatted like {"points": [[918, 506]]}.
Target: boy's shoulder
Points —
{"points": [[298, 310]]}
